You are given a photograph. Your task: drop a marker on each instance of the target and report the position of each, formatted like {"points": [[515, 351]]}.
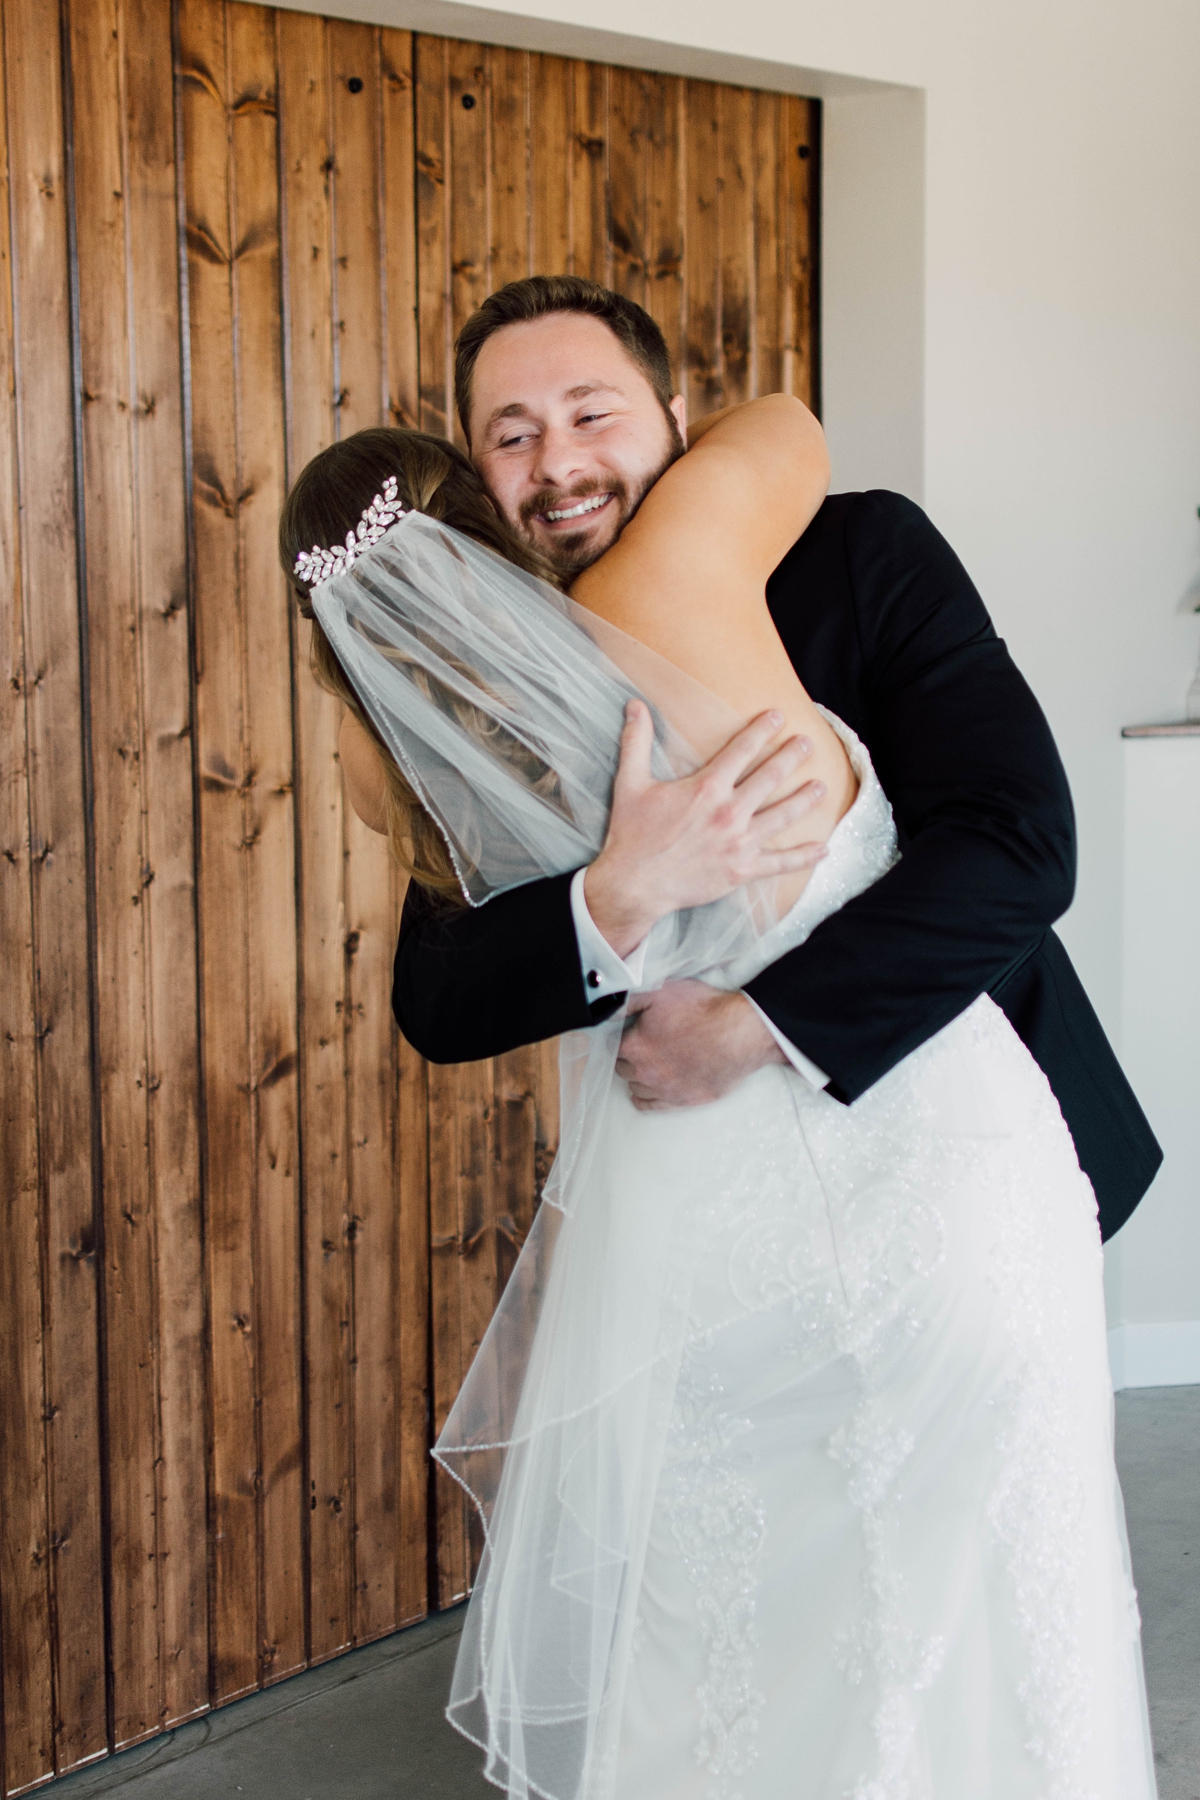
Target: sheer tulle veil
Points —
{"points": [[503, 704]]}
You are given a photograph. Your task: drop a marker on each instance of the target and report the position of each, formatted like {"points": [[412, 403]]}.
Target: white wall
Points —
{"points": [[1154, 1266], [1012, 322]]}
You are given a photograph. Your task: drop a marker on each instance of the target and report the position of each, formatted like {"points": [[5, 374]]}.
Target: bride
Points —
{"points": [[792, 1433]]}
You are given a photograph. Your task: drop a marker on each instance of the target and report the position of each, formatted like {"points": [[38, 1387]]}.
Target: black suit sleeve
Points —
{"points": [[477, 981], [982, 808]]}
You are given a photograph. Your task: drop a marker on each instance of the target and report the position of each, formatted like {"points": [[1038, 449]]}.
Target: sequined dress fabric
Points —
{"points": [[863, 1531]]}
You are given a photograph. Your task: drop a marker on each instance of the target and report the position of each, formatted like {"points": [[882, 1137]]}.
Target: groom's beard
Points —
{"points": [[572, 552]]}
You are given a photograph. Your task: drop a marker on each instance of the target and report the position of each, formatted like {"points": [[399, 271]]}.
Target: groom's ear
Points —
{"points": [[678, 408]]}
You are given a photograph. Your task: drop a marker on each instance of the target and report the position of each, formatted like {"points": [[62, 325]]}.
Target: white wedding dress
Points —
{"points": [[792, 1435], [887, 1555]]}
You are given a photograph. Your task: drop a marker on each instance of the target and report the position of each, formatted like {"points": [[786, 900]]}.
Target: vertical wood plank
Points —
{"points": [[550, 165], [446, 1101], [120, 898], [735, 206], [704, 371], [509, 228], [590, 248], [408, 1267], [664, 215], [430, 87], [628, 171], [310, 285], [26, 1674], [463, 1269], [173, 1061], [228, 1122], [369, 942], [269, 834], [517, 1133], [247, 872], [801, 124], [413, 1294], [469, 187], [54, 700], [400, 226], [768, 350], [138, 661], [454, 234]]}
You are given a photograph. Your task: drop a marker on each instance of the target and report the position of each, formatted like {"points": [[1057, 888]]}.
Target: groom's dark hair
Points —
{"points": [[538, 296]]}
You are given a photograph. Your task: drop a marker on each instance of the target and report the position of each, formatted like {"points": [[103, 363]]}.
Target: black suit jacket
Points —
{"points": [[885, 628]]}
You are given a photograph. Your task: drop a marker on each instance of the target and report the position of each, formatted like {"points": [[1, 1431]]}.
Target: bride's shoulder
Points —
{"points": [[720, 519]]}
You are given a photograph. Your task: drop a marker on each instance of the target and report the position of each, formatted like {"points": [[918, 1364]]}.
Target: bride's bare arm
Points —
{"points": [[687, 577], [718, 522]]}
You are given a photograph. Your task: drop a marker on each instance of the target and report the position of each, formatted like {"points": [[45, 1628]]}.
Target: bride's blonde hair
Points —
{"points": [[326, 501]]}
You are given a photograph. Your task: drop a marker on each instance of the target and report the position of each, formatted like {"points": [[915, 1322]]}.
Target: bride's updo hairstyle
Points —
{"points": [[328, 498]]}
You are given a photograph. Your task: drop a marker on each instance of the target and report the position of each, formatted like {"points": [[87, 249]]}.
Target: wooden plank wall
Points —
{"points": [[248, 1241]]}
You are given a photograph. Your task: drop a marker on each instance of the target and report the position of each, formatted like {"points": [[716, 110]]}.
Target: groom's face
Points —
{"points": [[568, 434]]}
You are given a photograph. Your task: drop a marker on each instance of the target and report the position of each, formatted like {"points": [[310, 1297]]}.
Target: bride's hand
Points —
{"points": [[677, 844]]}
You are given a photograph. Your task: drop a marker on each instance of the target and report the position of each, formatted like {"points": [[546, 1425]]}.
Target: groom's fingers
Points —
{"points": [[771, 820], [755, 789], [791, 862], [729, 765], [768, 821], [637, 745]]}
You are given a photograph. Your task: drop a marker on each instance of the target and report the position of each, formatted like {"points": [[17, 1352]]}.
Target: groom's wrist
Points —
{"points": [[619, 915]]}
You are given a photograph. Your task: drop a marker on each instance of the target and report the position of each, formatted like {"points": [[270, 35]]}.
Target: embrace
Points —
{"points": [[792, 1433]]}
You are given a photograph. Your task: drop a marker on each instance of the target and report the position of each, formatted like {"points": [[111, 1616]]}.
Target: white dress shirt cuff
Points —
{"points": [[604, 972], [797, 1058]]}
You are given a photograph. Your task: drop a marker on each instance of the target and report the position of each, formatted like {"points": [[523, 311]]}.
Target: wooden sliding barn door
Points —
{"points": [[248, 1240]]}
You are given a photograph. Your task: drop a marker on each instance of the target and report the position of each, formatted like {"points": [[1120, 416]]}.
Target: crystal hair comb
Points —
{"points": [[316, 565]]}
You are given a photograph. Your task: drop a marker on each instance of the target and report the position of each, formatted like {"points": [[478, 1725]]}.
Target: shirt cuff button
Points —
{"points": [[593, 979]]}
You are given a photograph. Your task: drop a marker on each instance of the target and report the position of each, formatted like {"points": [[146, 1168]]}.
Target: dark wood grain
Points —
{"points": [[628, 179], [665, 291], [268, 835], [26, 1645], [396, 102], [413, 1300], [467, 189], [704, 374], [449, 1095], [408, 1241], [431, 138], [139, 705], [550, 165], [509, 208], [767, 321], [307, 159], [71, 1226], [370, 919], [173, 1053], [800, 130], [735, 214], [587, 160]]}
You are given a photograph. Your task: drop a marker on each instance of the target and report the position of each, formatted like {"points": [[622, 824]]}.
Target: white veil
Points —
{"points": [[503, 704]]}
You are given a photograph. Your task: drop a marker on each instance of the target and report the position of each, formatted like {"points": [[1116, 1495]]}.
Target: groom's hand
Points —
{"points": [[677, 844], [688, 1044]]}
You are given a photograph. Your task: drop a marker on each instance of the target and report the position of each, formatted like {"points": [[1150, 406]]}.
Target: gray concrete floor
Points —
{"points": [[369, 1726]]}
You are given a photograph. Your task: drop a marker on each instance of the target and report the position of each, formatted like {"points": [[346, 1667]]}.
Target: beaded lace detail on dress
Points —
{"points": [[717, 1524]]}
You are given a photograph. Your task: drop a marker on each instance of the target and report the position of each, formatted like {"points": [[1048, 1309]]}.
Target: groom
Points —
{"points": [[565, 394]]}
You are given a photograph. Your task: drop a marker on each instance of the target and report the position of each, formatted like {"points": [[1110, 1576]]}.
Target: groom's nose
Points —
{"points": [[561, 459]]}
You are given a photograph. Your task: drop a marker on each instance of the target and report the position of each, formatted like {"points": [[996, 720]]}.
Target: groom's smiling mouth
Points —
{"points": [[577, 511]]}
